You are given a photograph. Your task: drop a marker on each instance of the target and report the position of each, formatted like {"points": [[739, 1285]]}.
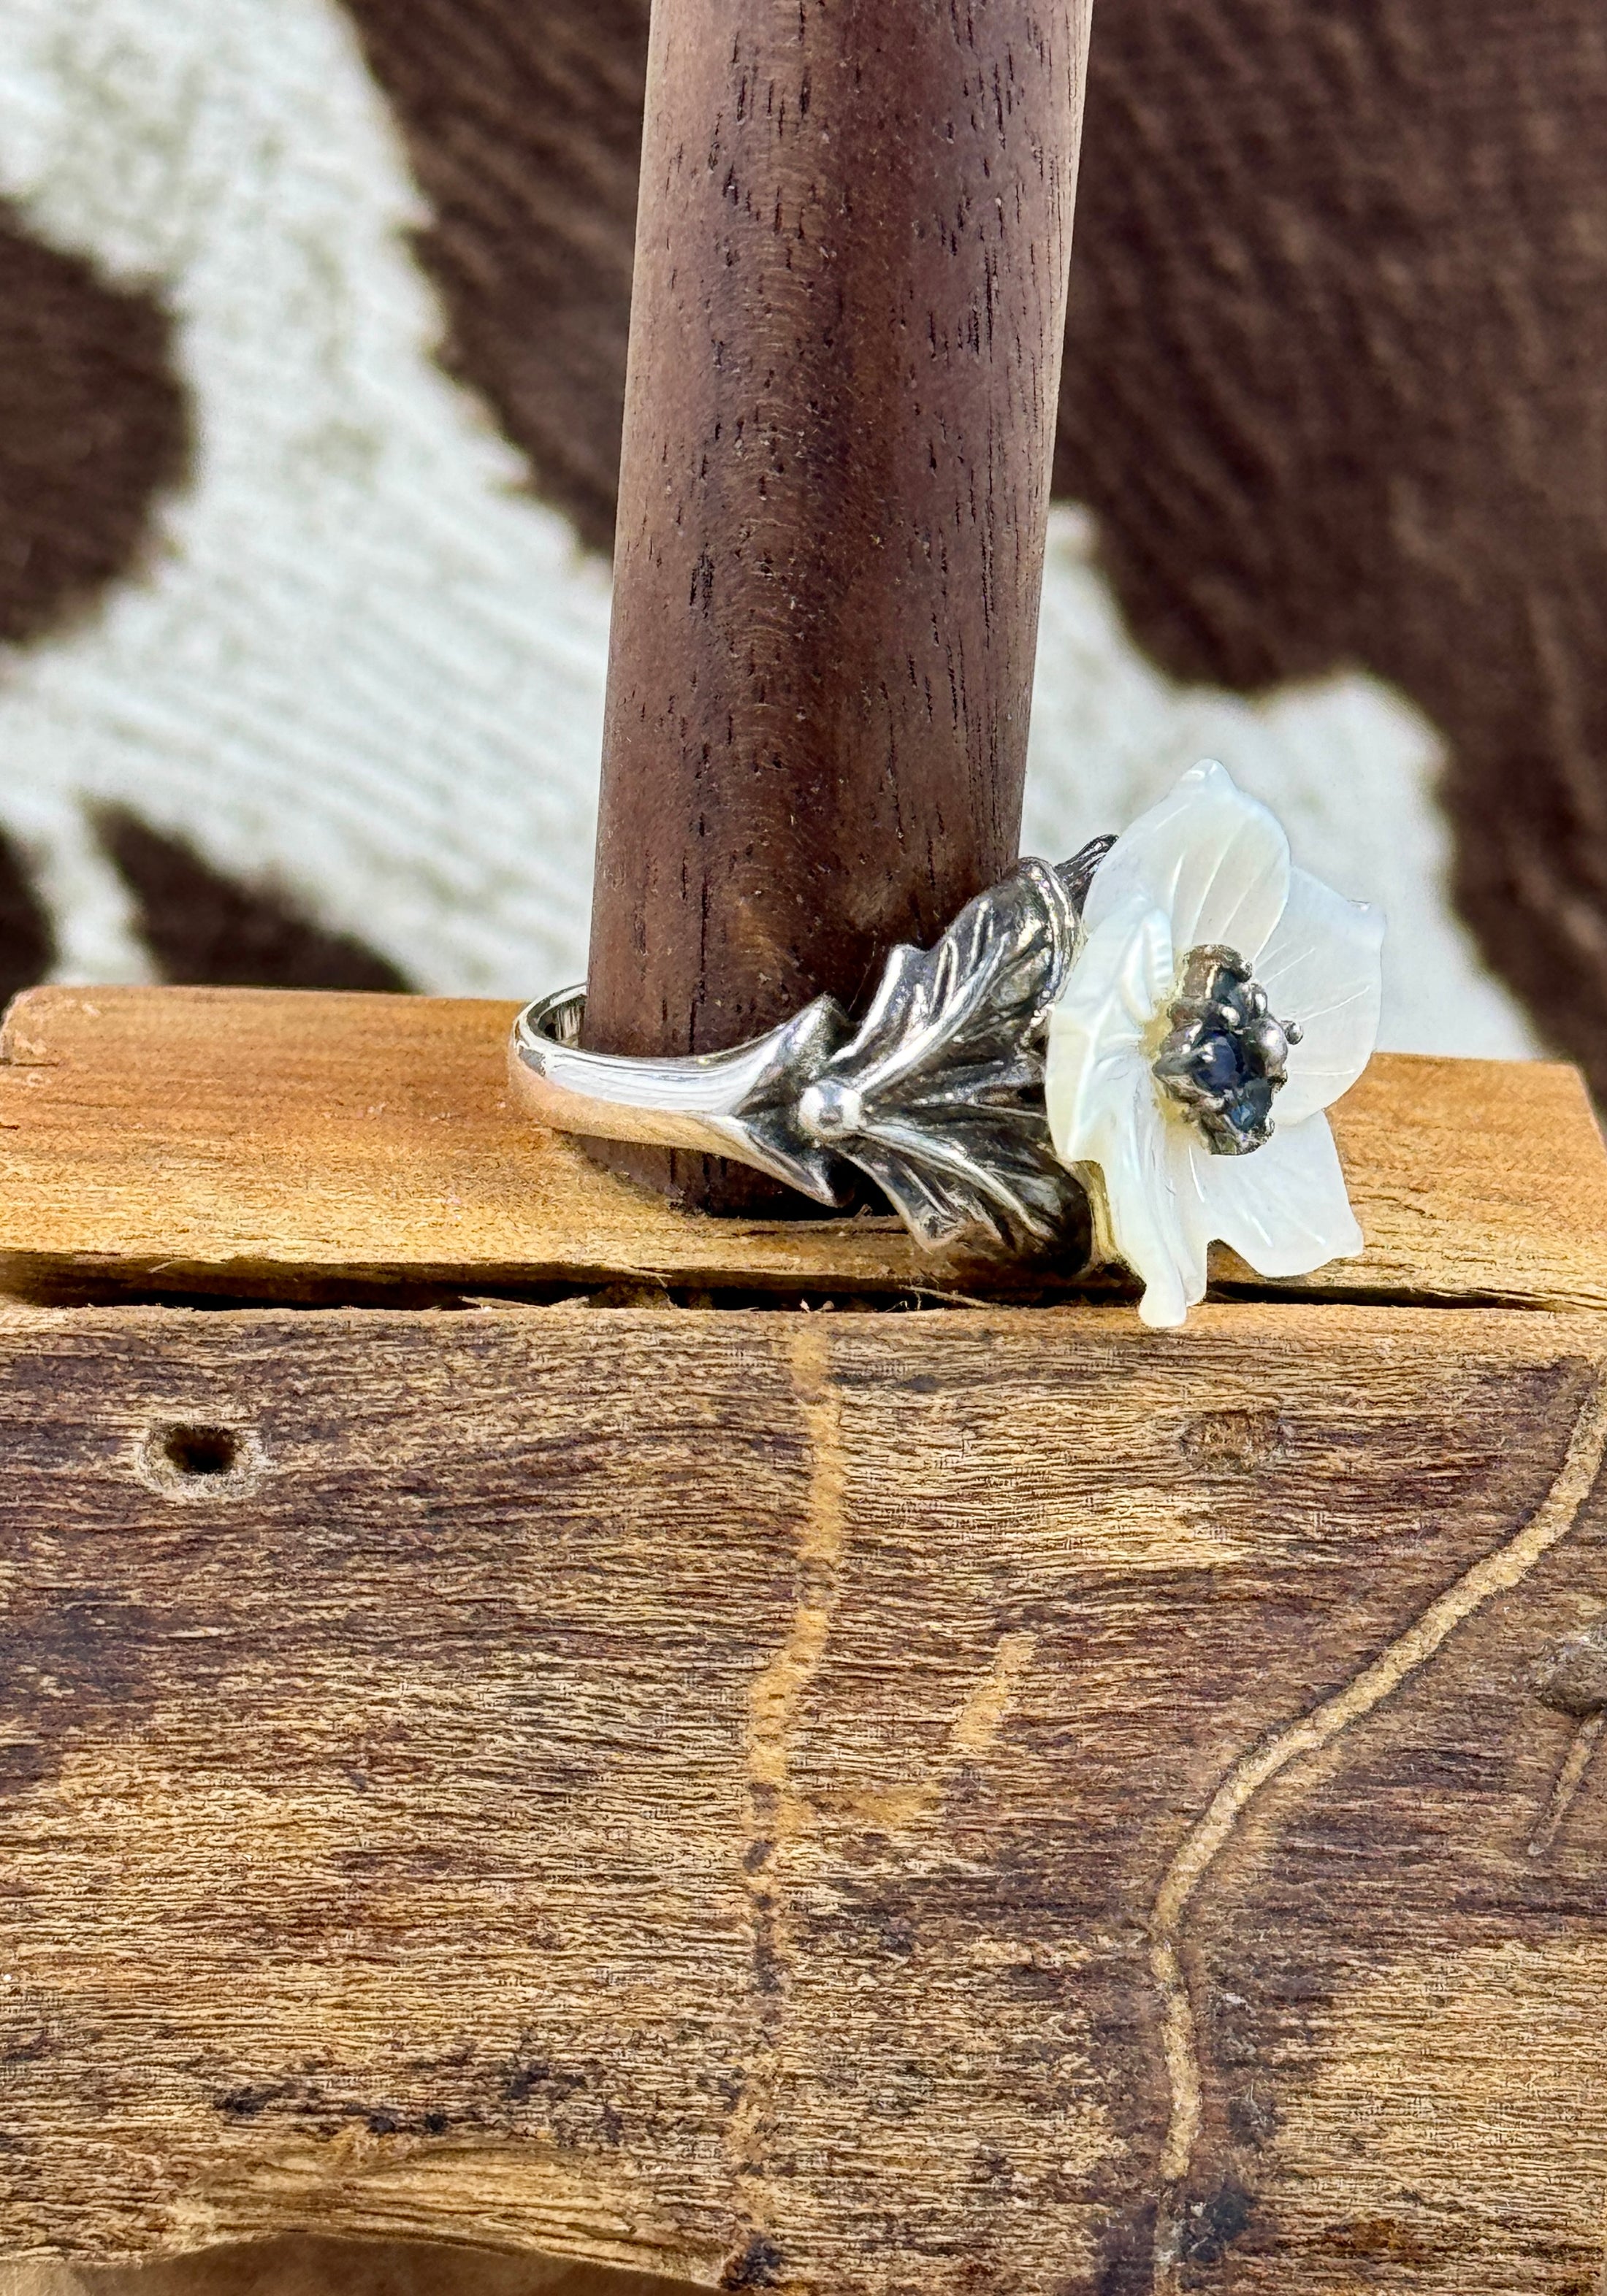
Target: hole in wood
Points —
{"points": [[1572, 1677], [201, 1450], [192, 1457]]}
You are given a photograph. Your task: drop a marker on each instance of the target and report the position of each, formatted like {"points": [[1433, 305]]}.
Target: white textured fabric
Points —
{"points": [[1349, 767], [363, 664]]}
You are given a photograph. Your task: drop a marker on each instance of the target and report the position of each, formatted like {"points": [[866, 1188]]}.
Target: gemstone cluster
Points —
{"points": [[1225, 1056]]}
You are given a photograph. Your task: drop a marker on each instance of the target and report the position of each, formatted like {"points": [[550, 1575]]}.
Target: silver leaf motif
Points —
{"points": [[937, 1096]]}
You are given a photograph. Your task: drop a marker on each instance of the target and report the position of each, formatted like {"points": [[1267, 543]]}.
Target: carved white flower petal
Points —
{"points": [[1282, 1208], [1102, 1108], [1214, 861], [1138, 1212], [1322, 967], [1122, 974], [1123, 971]]}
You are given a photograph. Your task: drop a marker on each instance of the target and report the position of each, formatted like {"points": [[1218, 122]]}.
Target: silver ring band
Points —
{"points": [[697, 1101], [937, 1094]]}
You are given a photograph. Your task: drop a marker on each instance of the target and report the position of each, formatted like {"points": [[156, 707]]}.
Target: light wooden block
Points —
{"points": [[257, 1144]]}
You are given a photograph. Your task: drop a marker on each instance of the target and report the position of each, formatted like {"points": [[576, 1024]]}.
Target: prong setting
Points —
{"points": [[1225, 1056]]}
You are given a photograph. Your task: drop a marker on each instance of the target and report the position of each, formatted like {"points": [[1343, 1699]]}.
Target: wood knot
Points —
{"points": [[760, 2265], [1571, 1678], [1243, 1435]]}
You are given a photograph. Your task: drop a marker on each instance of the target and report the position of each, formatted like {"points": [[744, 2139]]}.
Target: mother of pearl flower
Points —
{"points": [[1206, 874]]}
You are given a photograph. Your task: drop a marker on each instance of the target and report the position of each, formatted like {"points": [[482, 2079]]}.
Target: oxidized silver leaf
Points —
{"points": [[939, 1095]]}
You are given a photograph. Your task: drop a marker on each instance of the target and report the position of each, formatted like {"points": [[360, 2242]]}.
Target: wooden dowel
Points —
{"points": [[850, 296]]}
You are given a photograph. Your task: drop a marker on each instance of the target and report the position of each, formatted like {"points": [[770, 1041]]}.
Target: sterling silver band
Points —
{"points": [[937, 1096]]}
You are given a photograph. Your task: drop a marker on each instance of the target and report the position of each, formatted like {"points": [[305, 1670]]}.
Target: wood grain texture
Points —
{"points": [[264, 1144], [846, 329], [979, 1802]]}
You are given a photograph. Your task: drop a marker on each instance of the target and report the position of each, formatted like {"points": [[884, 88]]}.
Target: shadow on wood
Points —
{"points": [[305, 2264]]}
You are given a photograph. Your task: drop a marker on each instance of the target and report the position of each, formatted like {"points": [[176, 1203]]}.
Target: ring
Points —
{"points": [[937, 1096], [1095, 1049]]}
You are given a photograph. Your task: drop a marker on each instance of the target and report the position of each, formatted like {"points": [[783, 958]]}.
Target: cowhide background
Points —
{"points": [[312, 338]]}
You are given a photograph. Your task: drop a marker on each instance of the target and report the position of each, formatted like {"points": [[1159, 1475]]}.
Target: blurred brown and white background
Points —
{"points": [[312, 338]]}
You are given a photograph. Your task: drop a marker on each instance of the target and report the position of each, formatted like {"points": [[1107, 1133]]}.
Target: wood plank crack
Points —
{"points": [[779, 1815], [1493, 1574], [900, 1810]]}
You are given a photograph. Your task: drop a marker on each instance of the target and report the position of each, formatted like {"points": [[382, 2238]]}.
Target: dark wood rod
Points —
{"points": [[851, 256]]}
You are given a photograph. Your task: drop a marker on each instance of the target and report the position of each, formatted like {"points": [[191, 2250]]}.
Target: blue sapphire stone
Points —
{"points": [[1226, 1056], [1215, 1063]]}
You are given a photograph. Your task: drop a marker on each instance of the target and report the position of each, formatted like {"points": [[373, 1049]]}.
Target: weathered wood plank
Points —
{"points": [[271, 1145], [939, 1802]]}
